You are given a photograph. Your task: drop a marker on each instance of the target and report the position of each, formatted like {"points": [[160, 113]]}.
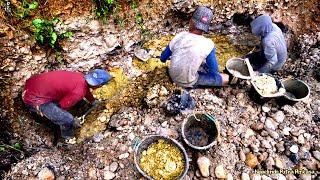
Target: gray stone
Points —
{"points": [[98, 137], [305, 177], [279, 116], [265, 109], [286, 131], [229, 176], [266, 144], [316, 154], [270, 124], [294, 149], [108, 175], [113, 166], [255, 177], [270, 163], [220, 172], [264, 177], [242, 155], [245, 176]]}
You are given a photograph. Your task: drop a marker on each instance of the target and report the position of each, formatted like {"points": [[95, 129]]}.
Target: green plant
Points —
{"points": [[16, 146], [104, 7], [143, 29], [45, 33], [59, 57], [25, 9], [119, 21]]}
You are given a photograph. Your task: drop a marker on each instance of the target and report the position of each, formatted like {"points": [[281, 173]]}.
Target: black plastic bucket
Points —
{"points": [[296, 90], [199, 131]]}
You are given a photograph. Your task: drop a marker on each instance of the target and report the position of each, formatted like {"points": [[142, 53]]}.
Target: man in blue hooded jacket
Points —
{"points": [[274, 47]]}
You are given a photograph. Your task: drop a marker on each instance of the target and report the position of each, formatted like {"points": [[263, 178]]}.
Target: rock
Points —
{"points": [[92, 173], [307, 135], [251, 160], [229, 176], [279, 163], [142, 54], [265, 109], [294, 149], [290, 177], [255, 176], [169, 132], [204, 165], [301, 139], [123, 156], [316, 154], [245, 176], [280, 147], [46, 174], [270, 124], [163, 91], [220, 172], [264, 177], [198, 173], [273, 134], [249, 133], [164, 124], [257, 126], [242, 156], [279, 116], [294, 158], [98, 137], [109, 175], [280, 177], [113, 166], [305, 177], [266, 144], [131, 136], [269, 163], [263, 156], [286, 131]]}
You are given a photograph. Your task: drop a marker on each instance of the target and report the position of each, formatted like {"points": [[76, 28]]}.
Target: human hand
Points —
{"points": [[96, 102]]}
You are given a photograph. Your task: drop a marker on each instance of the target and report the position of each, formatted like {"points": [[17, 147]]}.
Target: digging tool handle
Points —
{"points": [[92, 108], [249, 67]]}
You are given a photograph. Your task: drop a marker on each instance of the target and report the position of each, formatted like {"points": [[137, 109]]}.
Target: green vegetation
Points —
{"points": [[25, 8], [104, 8], [143, 30], [45, 33], [17, 147]]}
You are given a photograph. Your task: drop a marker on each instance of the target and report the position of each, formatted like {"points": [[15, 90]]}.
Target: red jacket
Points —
{"points": [[65, 87]]}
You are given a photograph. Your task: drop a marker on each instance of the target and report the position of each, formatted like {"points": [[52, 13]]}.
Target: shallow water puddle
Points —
{"points": [[120, 92]]}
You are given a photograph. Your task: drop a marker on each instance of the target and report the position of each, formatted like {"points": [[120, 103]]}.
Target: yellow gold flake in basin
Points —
{"points": [[162, 161]]}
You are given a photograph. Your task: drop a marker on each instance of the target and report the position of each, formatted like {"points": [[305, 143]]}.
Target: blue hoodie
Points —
{"points": [[273, 43]]}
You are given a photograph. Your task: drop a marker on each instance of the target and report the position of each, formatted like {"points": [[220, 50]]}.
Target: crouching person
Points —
{"points": [[274, 48], [193, 56], [51, 94]]}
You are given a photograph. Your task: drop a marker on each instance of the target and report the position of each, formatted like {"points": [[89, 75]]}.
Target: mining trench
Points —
{"points": [[252, 136]]}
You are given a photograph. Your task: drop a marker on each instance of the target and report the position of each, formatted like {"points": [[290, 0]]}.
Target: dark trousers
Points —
{"points": [[207, 79], [257, 59], [57, 116]]}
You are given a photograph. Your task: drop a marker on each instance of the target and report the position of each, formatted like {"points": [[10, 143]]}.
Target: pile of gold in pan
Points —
{"points": [[265, 84], [162, 161]]}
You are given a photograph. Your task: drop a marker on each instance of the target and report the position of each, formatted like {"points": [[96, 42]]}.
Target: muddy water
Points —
{"points": [[120, 92]]}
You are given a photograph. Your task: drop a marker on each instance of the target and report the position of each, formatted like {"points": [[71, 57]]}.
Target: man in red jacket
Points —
{"points": [[51, 94]]}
